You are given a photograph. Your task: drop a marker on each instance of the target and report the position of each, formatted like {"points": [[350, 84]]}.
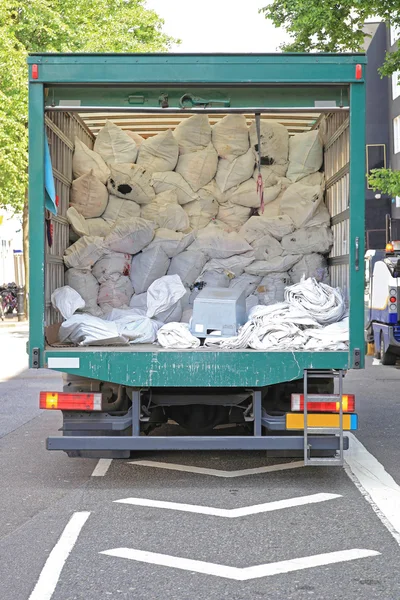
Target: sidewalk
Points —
{"points": [[12, 322]]}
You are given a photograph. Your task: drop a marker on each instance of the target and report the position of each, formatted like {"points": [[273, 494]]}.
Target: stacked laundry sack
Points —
{"points": [[186, 203]]}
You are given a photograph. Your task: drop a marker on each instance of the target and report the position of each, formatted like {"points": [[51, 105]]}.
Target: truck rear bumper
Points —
{"points": [[279, 442]]}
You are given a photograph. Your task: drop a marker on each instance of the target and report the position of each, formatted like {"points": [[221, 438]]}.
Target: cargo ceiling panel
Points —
{"points": [[148, 125]]}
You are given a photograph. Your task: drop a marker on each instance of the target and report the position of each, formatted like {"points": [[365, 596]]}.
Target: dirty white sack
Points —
{"points": [[131, 182], [177, 335], [67, 301], [130, 236], [230, 136], [147, 267], [85, 161], [159, 152], [198, 168], [114, 145]]}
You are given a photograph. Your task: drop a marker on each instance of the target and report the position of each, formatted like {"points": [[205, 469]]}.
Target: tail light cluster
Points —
{"points": [[348, 403], [393, 300], [65, 401]]}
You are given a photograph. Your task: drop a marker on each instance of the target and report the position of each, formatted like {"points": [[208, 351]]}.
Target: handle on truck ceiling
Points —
{"points": [[357, 254], [188, 100]]}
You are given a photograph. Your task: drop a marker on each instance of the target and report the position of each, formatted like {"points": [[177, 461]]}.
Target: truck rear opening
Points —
{"points": [[144, 386]]}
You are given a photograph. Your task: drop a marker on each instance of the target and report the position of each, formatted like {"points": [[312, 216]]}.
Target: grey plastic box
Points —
{"points": [[218, 312]]}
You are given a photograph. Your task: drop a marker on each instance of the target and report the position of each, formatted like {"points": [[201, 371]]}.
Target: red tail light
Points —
{"points": [[358, 71], [64, 401], [348, 402], [35, 72]]}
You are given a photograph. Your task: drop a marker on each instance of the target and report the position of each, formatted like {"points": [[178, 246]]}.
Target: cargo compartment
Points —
{"points": [[328, 98]]}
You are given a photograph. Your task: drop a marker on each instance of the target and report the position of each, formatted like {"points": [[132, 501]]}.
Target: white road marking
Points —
{"points": [[217, 472], [375, 483], [376, 362], [102, 467], [232, 513], [241, 574], [51, 571]]}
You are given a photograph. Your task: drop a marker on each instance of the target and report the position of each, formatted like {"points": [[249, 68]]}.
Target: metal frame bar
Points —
{"points": [[36, 223], [257, 412], [211, 111], [191, 443], [357, 219]]}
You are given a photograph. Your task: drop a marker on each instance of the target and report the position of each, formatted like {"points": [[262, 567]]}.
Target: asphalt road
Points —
{"points": [[151, 550]]}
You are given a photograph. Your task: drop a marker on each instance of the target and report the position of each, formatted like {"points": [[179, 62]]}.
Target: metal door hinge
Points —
{"points": [[356, 358], [35, 358]]}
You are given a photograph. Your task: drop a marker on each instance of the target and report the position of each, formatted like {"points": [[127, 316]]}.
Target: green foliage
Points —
{"points": [[385, 181], [332, 25], [58, 26]]}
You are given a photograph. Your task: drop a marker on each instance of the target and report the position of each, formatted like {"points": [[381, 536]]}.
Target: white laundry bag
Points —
{"points": [[67, 301], [246, 194], [116, 291], [130, 236], [193, 134], [84, 252], [278, 264], [213, 242], [170, 180], [302, 199], [85, 161], [163, 294], [246, 282], [93, 227], [88, 330], [201, 212], [188, 265], [172, 242], [310, 265], [159, 152], [198, 168], [119, 210], [271, 288], [232, 266], [266, 247], [111, 263], [231, 173], [233, 215], [131, 182], [230, 136], [176, 336], [114, 145], [149, 265], [258, 226], [274, 142], [307, 241], [89, 196], [305, 154]]}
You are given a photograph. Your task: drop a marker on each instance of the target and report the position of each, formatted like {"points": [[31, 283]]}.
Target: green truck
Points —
{"points": [[114, 397]]}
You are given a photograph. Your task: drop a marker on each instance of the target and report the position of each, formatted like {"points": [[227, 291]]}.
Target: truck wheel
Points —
{"points": [[387, 358]]}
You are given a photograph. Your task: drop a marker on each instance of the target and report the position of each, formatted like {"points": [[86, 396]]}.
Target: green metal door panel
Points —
{"points": [[357, 222], [36, 221], [239, 97], [192, 68], [197, 369]]}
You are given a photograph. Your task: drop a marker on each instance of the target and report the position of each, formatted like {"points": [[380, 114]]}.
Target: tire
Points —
{"points": [[387, 358]]}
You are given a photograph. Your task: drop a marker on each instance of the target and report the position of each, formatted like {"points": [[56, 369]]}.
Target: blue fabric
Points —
{"points": [[50, 190]]}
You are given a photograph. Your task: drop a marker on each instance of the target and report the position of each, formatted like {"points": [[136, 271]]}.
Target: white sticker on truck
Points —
{"points": [[62, 362]]}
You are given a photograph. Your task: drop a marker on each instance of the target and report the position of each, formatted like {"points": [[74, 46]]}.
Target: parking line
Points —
{"points": [[241, 574], [102, 467], [51, 571], [377, 486], [231, 513], [218, 472]]}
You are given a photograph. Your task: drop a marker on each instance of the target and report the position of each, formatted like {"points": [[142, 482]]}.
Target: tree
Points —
{"points": [[57, 26], [332, 25], [386, 181]]}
